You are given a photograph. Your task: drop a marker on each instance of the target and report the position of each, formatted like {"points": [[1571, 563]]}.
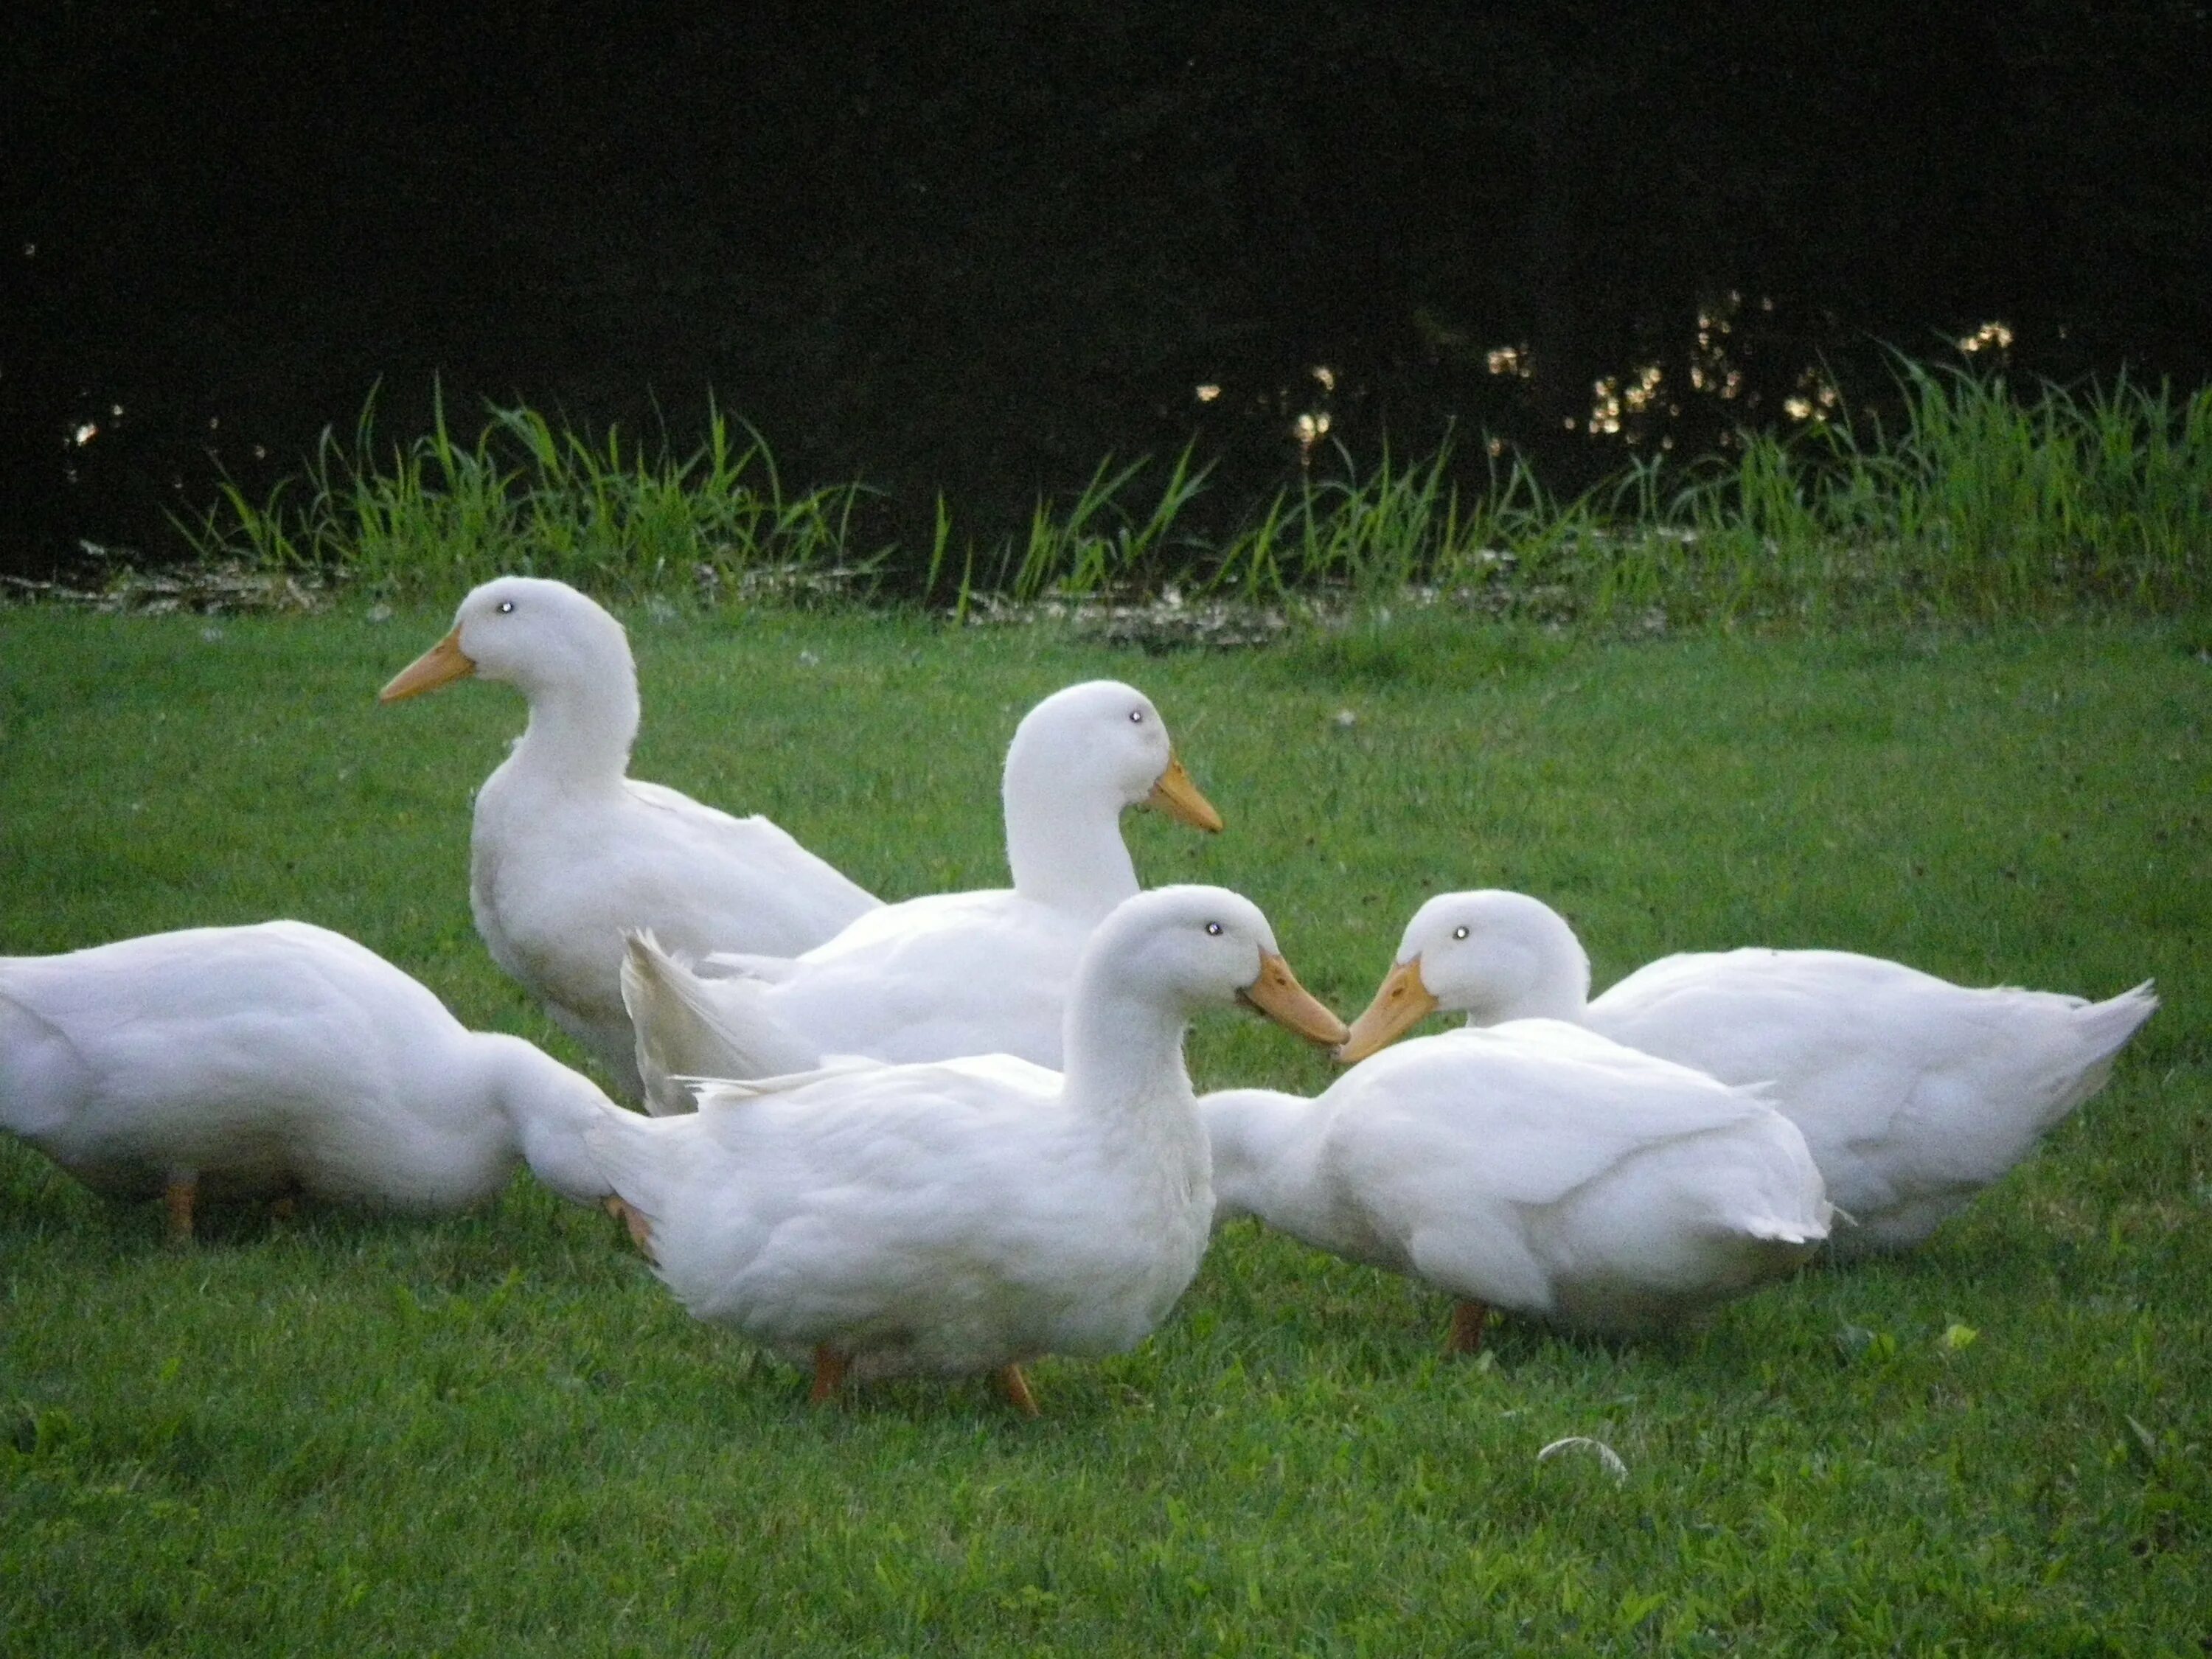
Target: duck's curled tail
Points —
{"points": [[2101, 1030], [689, 1027]]}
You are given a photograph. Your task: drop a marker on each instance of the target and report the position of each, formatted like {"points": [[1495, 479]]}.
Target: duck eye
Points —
{"points": [[506, 607], [1214, 929], [1459, 933], [1136, 717]]}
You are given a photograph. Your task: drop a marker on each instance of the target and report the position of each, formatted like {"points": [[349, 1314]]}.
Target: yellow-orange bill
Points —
{"points": [[440, 665], [1176, 795], [1401, 1001], [1278, 994]]}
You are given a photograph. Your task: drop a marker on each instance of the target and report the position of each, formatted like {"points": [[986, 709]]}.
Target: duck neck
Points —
{"points": [[1263, 1152], [1546, 998], [581, 724], [1123, 1055], [550, 1108], [1064, 845], [1546, 978]]}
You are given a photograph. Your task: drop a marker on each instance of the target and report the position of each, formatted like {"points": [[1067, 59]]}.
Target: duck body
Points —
{"points": [[1912, 1092], [259, 1061], [567, 853], [951, 973], [929, 978], [1535, 1167], [964, 1215], [945, 1218], [559, 871]]}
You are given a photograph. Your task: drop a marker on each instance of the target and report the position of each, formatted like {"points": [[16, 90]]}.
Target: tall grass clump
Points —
{"points": [[1097, 541], [1970, 502], [2104, 496], [1338, 530], [1984, 505], [604, 512]]}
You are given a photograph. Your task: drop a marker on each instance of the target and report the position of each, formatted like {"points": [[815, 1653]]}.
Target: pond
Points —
{"points": [[974, 255]]}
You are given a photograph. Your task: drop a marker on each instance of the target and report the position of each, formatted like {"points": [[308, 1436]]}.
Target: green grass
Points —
{"points": [[604, 510], [1982, 504], [497, 1434]]}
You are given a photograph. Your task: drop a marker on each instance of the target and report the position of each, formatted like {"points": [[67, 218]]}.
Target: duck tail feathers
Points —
{"points": [[688, 1028], [2107, 1026], [744, 965], [2100, 1030], [1775, 1229], [1798, 1214]]}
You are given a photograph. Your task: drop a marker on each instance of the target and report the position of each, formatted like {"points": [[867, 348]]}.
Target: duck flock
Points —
{"points": [[954, 1134]]}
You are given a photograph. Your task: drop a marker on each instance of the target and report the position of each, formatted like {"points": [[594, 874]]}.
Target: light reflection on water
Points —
{"points": [[1815, 400], [1730, 374]]}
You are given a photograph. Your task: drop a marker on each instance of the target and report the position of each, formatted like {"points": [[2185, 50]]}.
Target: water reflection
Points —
{"points": [[1815, 400], [1990, 336]]}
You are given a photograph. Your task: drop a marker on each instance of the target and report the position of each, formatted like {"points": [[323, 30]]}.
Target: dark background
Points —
{"points": [[975, 249]]}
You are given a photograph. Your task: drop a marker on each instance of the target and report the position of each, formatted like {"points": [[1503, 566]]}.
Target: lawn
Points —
{"points": [[497, 1434]]}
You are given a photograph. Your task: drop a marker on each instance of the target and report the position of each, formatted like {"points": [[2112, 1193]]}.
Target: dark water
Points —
{"points": [[976, 250]]}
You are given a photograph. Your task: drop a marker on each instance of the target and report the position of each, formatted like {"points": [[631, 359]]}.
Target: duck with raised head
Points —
{"points": [[1913, 1093], [965, 1216], [568, 853], [950, 973], [273, 1060]]}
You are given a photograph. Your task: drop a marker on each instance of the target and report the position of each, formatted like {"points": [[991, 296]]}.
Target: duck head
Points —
{"points": [[528, 631], [1104, 740], [1490, 955], [1196, 947]]}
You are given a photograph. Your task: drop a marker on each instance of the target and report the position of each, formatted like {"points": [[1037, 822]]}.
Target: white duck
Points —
{"points": [[1913, 1093], [567, 853], [1537, 1168], [968, 1215], [951, 973], [244, 1062]]}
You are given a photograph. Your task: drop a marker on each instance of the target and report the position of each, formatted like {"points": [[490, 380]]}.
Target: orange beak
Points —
{"points": [[442, 664], [1176, 795], [1401, 1001], [1278, 994]]}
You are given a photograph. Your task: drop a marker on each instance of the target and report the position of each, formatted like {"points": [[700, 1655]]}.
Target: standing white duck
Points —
{"points": [[1913, 1093], [257, 1062], [1537, 1168], [968, 1215], [950, 973], [567, 853]]}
